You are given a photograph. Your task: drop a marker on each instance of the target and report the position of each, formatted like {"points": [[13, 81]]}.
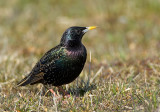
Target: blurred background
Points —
{"points": [[126, 45], [128, 29]]}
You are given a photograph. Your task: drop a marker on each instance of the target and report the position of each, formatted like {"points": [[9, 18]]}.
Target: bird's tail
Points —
{"points": [[25, 81]]}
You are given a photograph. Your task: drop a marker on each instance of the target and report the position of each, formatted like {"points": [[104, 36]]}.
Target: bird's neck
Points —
{"points": [[73, 44], [76, 51]]}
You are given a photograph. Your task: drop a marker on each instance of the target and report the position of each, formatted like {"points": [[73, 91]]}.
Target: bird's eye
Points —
{"points": [[78, 32], [72, 32]]}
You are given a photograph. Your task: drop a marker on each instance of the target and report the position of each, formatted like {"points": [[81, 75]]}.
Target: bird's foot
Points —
{"points": [[51, 90]]}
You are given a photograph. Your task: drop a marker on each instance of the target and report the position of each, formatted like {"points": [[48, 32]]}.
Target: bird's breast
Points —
{"points": [[75, 62], [68, 67], [77, 54]]}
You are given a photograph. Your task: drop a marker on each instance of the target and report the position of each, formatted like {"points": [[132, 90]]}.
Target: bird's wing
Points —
{"points": [[38, 71]]}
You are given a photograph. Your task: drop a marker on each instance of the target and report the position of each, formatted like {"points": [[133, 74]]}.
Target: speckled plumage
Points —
{"points": [[63, 63]]}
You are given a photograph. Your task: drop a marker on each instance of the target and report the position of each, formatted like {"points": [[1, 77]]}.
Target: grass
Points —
{"points": [[124, 72]]}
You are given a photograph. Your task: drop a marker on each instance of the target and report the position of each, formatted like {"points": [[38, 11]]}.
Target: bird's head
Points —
{"points": [[73, 35]]}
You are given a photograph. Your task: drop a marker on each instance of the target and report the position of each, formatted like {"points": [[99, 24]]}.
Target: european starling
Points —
{"points": [[63, 63]]}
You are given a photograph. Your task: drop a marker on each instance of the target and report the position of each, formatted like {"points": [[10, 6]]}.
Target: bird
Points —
{"points": [[62, 64]]}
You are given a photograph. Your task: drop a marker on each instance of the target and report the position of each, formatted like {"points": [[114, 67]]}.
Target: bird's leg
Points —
{"points": [[51, 90], [60, 89]]}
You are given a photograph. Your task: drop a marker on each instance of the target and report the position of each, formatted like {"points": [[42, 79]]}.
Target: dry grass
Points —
{"points": [[124, 73]]}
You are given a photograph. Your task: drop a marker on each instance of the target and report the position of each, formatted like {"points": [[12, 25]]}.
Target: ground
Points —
{"points": [[122, 72]]}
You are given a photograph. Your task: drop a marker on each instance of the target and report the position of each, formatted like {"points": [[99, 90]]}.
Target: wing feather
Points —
{"points": [[38, 71]]}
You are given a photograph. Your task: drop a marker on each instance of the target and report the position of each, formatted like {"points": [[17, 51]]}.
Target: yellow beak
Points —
{"points": [[91, 27]]}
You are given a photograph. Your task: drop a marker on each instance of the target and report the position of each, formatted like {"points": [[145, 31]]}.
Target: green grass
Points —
{"points": [[124, 73]]}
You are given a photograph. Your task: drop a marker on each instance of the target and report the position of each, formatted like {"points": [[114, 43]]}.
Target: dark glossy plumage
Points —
{"points": [[63, 63]]}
